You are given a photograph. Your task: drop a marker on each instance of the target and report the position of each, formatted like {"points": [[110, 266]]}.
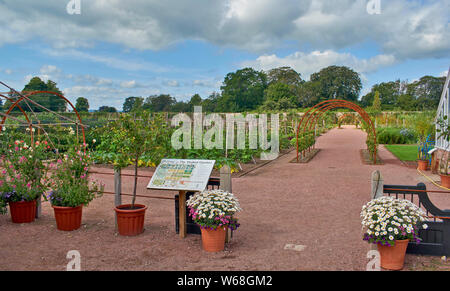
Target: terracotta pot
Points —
{"points": [[422, 165], [68, 218], [130, 222], [214, 240], [445, 181], [393, 257], [23, 211]]}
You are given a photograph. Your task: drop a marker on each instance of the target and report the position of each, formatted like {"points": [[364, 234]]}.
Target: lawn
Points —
{"points": [[403, 152]]}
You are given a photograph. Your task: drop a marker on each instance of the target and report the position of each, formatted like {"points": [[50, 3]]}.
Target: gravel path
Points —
{"points": [[315, 205]]}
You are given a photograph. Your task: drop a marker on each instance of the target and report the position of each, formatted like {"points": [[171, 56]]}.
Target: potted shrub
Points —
{"points": [[20, 180], [213, 211], [129, 138], [71, 188], [444, 132], [391, 223]]}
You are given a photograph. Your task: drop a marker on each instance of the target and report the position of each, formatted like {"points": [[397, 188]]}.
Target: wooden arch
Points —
{"points": [[310, 118]]}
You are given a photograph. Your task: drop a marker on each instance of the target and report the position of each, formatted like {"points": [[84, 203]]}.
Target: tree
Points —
{"points": [[280, 96], [47, 100], [196, 100], [210, 104], [308, 94], [133, 104], [158, 103], [389, 93], [242, 90], [107, 109], [427, 92], [82, 104], [180, 106], [376, 105], [406, 102], [338, 83], [285, 75]]}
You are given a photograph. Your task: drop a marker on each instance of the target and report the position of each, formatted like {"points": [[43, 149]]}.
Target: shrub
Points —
{"points": [[391, 135]]}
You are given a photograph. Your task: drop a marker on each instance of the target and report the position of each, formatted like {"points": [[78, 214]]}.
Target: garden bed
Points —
{"points": [[308, 157], [245, 168], [367, 159]]}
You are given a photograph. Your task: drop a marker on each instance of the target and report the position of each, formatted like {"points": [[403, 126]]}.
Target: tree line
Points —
{"points": [[278, 89]]}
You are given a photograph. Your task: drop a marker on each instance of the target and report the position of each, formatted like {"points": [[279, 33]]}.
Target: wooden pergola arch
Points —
{"points": [[310, 118]]}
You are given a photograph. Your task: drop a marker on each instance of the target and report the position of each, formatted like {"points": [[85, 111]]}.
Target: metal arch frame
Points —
{"points": [[16, 103], [319, 109], [23, 112]]}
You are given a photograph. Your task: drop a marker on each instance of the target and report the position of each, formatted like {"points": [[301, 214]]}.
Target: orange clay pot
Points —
{"points": [[130, 222], [68, 218], [393, 257], [445, 181], [422, 165], [23, 211], [214, 240]]}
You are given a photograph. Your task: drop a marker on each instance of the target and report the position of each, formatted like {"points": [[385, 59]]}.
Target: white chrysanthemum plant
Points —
{"points": [[388, 219], [211, 209]]}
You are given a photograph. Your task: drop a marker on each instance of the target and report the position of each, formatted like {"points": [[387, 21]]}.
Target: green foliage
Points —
{"points": [[107, 109], [279, 96], [391, 135], [47, 100], [338, 83], [285, 75], [69, 182], [132, 104], [82, 105], [23, 167], [376, 105], [242, 90]]}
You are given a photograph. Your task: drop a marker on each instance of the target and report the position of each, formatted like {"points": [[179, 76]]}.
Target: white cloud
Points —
{"points": [[404, 29], [50, 69], [172, 83], [128, 84], [308, 63]]}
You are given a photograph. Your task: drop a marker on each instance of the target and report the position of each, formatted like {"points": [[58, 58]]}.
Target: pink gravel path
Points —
{"points": [[315, 204]]}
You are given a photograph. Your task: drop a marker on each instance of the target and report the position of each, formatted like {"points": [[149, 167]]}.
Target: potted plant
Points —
{"points": [[444, 133], [391, 223], [422, 162], [213, 211], [422, 126], [20, 180], [129, 138], [71, 188]]}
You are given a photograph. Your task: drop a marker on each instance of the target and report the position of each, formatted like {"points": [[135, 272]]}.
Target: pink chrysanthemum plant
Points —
{"points": [[211, 209]]}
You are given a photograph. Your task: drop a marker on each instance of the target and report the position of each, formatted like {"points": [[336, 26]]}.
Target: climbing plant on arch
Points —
{"points": [[310, 118]]}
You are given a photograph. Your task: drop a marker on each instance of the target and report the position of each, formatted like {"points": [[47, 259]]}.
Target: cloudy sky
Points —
{"points": [[115, 49]]}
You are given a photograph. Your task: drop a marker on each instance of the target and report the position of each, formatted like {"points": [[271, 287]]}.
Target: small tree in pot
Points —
{"points": [[129, 138]]}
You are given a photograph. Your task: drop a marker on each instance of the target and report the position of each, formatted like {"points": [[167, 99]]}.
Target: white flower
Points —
{"points": [[424, 226]]}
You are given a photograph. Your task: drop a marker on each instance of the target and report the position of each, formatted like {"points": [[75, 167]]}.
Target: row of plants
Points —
{"points": [[63, 180], [29, 174]]}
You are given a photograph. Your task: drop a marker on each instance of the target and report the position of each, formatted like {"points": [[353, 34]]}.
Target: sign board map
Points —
{"points": [[182, 175]]}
